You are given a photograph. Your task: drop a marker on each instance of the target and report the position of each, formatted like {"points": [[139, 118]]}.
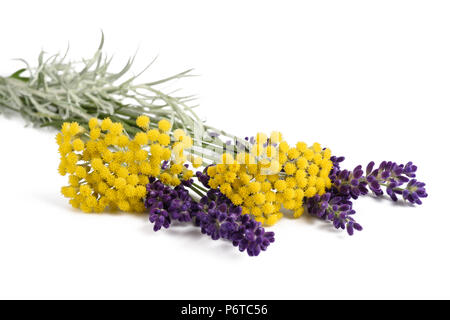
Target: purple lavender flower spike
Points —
{"points": [[389, 175], [214, 213], [336, 204], [225, 220], [334, 208]]}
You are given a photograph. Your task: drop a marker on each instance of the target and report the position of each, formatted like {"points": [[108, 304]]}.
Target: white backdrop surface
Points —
{"points": [[369, 79]]}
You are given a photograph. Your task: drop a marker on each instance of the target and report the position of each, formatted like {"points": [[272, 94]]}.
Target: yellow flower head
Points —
{"points": [[153, 135], [75, 128], [116, 128], [93, 123], [141, 138], [106, 124], [164, 139], [164, 125], [143, 122], [78, 145], [95, 133]]}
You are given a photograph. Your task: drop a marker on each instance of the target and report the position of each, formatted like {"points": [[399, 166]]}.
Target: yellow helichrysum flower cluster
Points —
{"points": [[112, 170], [272, 175]]}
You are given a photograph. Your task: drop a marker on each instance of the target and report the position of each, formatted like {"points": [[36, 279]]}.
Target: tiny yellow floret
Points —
{"points": [[143, 122], [164, 125]]}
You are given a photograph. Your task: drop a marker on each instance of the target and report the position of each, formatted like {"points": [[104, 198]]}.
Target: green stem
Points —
{"points": [[198, 192], [199, 187]]}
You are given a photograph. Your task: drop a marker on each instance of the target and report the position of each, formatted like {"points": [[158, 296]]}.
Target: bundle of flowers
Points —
{"points": [[133, 148]]}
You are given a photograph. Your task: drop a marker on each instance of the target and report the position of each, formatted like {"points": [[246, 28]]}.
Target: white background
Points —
{"points": [[369, 79]]}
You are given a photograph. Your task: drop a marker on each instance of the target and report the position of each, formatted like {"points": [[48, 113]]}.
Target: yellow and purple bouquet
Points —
{"points": [[131, 147]]}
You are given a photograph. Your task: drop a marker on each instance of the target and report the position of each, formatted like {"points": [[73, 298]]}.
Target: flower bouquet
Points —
{"points": [[132, 147]]}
